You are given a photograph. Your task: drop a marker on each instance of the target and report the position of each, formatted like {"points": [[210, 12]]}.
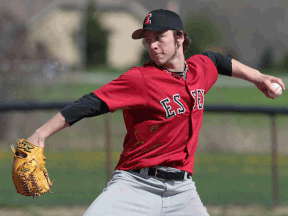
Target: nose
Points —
{"points": [[153, 45]]}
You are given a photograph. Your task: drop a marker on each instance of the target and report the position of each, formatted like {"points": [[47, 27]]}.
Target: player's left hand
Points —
{"points": [[29, 175], [36, 140], [264, 83]]}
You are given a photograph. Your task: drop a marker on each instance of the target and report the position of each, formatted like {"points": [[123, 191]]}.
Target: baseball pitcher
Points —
{"points": [[163, 103]]}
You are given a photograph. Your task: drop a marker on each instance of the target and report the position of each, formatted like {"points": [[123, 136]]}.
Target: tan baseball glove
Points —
{"points": [[29, 174]]}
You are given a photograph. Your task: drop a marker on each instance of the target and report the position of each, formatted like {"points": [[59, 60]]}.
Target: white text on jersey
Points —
{"points": [[198, 100]]}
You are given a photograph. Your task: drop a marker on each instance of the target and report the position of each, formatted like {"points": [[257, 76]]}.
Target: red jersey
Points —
{"points": [[163, 114]]}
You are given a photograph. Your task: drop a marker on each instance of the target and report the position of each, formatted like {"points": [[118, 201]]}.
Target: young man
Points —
{"points": [[162, 105]]}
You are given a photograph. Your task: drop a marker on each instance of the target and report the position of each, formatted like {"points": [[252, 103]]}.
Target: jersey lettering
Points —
{"points": [[176, 98], [203, 94], [200, 98], [167, 108], [147, 20], [194, 95]]}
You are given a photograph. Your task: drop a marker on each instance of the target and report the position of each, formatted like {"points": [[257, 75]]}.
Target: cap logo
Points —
{"points": [[147, 19]]}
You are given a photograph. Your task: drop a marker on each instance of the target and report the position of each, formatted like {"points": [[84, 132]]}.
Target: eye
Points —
{"points": [[147, 40], [158, 37]]}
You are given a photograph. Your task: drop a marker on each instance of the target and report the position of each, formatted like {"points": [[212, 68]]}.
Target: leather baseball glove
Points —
{"points": [[29, 174]]}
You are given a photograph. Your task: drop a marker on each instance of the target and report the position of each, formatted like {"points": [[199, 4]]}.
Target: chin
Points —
{"points": [[159, 62]]}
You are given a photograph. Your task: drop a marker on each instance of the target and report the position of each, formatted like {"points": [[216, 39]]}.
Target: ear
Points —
{"points": [[179, 36]]}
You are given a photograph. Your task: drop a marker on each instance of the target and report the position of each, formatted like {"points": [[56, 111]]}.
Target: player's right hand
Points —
{"points": [[264, 83]]}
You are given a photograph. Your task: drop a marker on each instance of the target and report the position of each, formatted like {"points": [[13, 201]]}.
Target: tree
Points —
{"points": [[283, 64], [267, 59], [202, 32], [96, 38]]}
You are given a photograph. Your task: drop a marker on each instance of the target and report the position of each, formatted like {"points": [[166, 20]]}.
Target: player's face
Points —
{"points": [[161, 45]]}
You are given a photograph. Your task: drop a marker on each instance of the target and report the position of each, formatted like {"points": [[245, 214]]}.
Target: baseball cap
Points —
{"points": [[159, 20]]}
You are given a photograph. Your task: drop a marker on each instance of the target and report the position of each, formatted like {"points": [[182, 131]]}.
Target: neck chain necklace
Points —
{"points": [[175, 74]]}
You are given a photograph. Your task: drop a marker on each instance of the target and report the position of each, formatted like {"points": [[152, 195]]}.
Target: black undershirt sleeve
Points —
{"points": [[87, 106], [222, 63]]}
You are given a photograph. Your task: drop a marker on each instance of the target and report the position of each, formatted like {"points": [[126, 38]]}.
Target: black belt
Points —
{"points": [[166, 175]]}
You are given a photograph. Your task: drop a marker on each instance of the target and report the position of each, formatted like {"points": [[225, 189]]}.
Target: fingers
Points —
{"points": [[277, 80], [264, 90], [281, 83], [265, 83], [268, 80]]}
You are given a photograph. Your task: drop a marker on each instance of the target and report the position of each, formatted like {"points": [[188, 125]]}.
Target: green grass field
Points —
{"points": [[244, 96], [221, 179]]}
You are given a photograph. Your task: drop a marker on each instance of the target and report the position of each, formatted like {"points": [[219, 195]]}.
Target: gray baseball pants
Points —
{"points": [[137, 194]]}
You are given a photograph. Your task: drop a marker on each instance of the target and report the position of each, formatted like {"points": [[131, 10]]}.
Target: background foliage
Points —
{"points": [[96, 38]]}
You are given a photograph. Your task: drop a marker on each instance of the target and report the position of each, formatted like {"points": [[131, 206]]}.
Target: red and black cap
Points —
{"points": [[159, 20]]}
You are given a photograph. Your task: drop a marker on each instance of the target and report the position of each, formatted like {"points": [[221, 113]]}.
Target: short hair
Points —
{"points": [[186, 42]]}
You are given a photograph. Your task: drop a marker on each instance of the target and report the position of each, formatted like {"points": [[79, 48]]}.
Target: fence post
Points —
{"points": [[108, 146], [274, 148]]}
